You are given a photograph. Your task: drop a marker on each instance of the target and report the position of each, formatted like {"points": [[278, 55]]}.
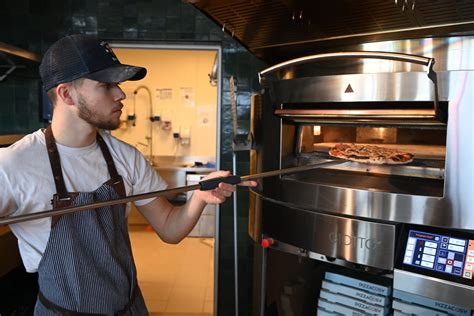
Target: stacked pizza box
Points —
{"points": [[408, 304], [344, 295]]}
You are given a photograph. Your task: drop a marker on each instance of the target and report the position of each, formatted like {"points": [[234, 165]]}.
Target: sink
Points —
{"points": [[158, 163], [171, 165], [168, 162]]}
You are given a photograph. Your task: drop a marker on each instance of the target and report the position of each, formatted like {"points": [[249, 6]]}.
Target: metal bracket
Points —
{"points": [[7, 73], [11, 67]]}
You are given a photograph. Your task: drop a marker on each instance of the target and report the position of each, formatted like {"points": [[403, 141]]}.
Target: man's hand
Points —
{"points": [[173, 223], [223, 191]]}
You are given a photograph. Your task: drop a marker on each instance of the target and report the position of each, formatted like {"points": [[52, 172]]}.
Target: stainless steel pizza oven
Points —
{"points": [[360, 216]]}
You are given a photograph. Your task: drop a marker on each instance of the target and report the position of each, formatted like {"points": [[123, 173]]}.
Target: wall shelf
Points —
{"points": [[8, 51]]}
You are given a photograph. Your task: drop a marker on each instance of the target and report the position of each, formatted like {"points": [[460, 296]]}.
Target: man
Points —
{"points": [[84, 261]]}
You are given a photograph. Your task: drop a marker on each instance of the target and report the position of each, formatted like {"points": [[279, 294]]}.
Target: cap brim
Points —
{"points": [[118, 73]]}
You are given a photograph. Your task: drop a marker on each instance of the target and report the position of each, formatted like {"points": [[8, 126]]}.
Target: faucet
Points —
{"points": [[149, 138]]}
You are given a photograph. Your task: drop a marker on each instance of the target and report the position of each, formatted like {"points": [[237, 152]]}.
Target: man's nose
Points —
{"points": [[119, 94]]}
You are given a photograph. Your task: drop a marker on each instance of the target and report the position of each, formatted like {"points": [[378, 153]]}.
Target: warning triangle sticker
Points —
{"points": [[349, 89]]}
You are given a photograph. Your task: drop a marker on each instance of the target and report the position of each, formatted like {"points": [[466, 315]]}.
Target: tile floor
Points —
{"points": [[176, 280]]}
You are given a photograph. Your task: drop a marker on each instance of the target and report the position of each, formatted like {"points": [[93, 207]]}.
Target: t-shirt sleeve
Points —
{"points": [[8, 204], [145, 179]]}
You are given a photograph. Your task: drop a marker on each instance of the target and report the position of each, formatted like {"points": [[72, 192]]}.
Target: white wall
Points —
{"points": [[182, 72]]}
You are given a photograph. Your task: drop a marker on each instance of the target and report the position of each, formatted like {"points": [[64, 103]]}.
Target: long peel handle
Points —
{"points": [[213, 183]]}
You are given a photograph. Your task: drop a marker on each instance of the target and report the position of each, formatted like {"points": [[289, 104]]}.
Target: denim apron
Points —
{"points": [[87, 267]]}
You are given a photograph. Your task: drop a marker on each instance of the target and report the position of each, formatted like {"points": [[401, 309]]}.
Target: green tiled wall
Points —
{"points": [[35, 24]]}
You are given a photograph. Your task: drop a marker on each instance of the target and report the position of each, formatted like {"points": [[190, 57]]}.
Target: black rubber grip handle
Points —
{"points": [[210, 184]]}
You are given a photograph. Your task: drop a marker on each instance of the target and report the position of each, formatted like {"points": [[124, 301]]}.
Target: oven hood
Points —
{"points": [[280, 30]]}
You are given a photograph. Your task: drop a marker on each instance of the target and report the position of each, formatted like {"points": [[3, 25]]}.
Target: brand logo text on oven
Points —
{"points": [[354, 241]]}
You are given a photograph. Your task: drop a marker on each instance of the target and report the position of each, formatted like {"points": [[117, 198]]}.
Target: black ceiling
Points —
{"points": [[276, 30]]}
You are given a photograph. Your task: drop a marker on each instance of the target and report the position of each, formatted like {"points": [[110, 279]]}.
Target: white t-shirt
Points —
{"points": [[27, 184]]}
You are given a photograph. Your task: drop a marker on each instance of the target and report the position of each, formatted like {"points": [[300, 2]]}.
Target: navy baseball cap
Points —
{"points": [[83, 56]]}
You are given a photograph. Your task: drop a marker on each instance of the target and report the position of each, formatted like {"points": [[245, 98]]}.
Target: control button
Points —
{"points": [[468, 267], [468, 274], [470, 253], [430, 251], [267, 242], [455, 248], [427, 264], [428, 258], [459, 242], [457, 263]]}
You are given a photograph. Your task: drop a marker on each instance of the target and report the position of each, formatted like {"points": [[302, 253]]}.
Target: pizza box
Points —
{"points": [[356, 293], [359, 284], [354, 303]]}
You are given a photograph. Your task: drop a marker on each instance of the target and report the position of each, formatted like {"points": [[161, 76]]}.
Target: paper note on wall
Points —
{"points": [[204, 115], [187, 97], [164, 94]]}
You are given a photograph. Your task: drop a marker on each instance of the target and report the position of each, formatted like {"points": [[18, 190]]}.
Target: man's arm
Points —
{"points": [[173, 223]]}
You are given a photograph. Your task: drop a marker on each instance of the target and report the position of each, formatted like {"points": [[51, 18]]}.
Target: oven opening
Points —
{"points": [[424, 176], [426, 114]]}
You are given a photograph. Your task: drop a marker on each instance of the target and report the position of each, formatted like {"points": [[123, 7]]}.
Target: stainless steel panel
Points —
{"points": [[284, 247], [365, 87], [361, 242], [442, 290]]}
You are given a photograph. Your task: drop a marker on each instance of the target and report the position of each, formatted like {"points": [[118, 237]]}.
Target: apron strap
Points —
{"points": [[108, 158], [55, 164]]}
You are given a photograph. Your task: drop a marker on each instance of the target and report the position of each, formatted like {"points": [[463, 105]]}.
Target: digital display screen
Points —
{"points": [[439, 253]]}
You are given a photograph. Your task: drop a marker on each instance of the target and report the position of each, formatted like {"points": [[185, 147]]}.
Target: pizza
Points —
{"points": [[370, 154]]}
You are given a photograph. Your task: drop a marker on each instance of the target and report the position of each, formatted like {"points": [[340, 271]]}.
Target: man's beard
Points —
{"points": [[92, 118]]}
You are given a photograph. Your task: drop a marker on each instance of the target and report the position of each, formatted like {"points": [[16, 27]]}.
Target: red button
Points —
{"points": [[267, 242]]}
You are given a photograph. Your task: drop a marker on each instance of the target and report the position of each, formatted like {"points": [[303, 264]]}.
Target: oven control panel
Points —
{"points": [[441, 253]]}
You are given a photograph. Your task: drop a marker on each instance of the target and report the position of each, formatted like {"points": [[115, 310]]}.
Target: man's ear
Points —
{"points": [[63, 91]]}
